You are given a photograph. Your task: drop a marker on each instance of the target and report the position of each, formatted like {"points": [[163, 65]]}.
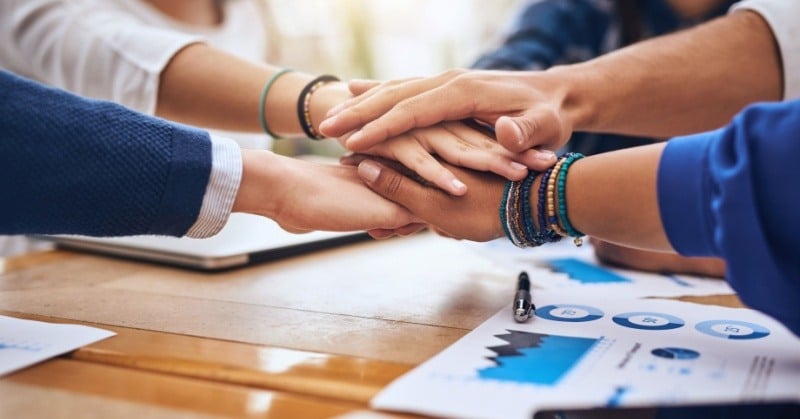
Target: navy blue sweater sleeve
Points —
{"points": [[730, 193], [76, 166]]}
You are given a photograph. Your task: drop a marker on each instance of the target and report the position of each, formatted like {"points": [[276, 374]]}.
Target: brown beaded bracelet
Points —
{"points": [[304, 102]]}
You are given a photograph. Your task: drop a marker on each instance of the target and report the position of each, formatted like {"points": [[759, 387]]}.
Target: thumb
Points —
{"points": [[531, 129], [392, 185]]}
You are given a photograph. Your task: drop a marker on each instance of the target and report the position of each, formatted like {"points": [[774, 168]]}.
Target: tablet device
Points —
{"points": [[245, 240]]}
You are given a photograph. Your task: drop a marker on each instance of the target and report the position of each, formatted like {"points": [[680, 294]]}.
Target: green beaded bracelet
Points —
{"points": [[263, 100]]}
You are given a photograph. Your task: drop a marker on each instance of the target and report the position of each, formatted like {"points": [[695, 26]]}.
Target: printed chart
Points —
{"points": [[584, 352], [563, 266], [535, 358]]}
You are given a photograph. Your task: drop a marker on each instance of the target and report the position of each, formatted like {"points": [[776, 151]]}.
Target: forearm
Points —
{"points": [[71, 165], [690, 81], [208, 87], [612, 196]]}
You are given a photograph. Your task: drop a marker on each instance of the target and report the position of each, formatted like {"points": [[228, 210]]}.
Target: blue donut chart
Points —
{"points": [[645, 320], [569, 313], [732, 329]]}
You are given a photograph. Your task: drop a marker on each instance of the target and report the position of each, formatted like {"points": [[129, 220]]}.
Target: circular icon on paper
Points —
{"points": [[644, 320], [675, 353], [569, 313], [732, 329]]}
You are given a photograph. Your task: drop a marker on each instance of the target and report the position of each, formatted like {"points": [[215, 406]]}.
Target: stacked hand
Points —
{"points": [[527, 110]]}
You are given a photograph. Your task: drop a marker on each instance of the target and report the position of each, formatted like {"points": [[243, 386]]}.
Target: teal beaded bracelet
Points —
{"points": [[561, 191]]}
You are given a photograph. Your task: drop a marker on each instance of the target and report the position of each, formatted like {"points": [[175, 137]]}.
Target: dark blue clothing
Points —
{"points": [[79, 166], [730, 193], [554, 32]]}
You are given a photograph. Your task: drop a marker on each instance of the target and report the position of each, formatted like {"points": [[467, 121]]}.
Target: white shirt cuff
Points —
{"points": [[223, 184], [783, 17]]}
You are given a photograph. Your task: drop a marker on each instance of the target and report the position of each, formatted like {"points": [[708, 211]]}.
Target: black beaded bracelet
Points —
{"points": [[304, 102]]}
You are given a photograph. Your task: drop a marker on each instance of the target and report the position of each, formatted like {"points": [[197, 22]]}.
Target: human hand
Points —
{"points": [[526, 108], [303, 196], [458, 144], [473, 216], [659, 262]]}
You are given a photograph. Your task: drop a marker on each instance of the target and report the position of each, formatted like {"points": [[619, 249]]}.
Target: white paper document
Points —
{"points": [[562, 265], [583, 352], [26, 342]]}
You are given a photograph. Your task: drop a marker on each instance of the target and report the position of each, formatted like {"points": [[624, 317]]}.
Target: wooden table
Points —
{"points": [[311, 336]]}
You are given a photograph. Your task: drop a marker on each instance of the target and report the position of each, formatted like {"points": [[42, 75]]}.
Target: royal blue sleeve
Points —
{"points": [[77, 166], [730, 193], [550, 32]]}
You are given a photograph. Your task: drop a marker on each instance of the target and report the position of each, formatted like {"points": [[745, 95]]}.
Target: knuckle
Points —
{"points": [[393, 184]]}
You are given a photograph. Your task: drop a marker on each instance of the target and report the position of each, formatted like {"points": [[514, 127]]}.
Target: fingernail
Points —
{"points": [[369, 171], [518, 132], [545, 155], [518, 166], [335, 110], [459, 185]]}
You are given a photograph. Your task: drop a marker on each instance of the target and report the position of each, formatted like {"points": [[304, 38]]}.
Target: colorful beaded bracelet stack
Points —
{"points": [[304, 105], [551, 222]]}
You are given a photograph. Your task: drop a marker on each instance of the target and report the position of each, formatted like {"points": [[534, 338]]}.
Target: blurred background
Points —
{"points": [[379, 39]]}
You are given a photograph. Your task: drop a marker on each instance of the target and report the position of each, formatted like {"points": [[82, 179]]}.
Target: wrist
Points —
{"points": [[324, 99], [575, 92], [260, 168], [280, 110]]}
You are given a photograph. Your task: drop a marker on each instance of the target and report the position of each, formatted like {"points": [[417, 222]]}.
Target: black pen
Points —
{"points": [[523, 306]]}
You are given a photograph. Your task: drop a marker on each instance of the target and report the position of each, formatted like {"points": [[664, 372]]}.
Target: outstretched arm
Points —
{"points": [[722, 193], [108, 53], [72, 165], [617, 205], [666, 86]]}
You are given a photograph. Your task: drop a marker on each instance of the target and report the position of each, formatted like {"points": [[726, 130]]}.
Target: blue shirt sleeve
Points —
{"points": [[730, 193], [70, 165], [550, 32]]}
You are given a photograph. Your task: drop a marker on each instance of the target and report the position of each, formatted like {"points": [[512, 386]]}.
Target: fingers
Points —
{"points": [[539, 160], [364, 89], [355, 112], [352, 159], [460, 145], [294, 230], [380, 233], [391, 110], [463, 146], [359, 87], [416, 158], [410, 229], [407, 230], [394, 186]]}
